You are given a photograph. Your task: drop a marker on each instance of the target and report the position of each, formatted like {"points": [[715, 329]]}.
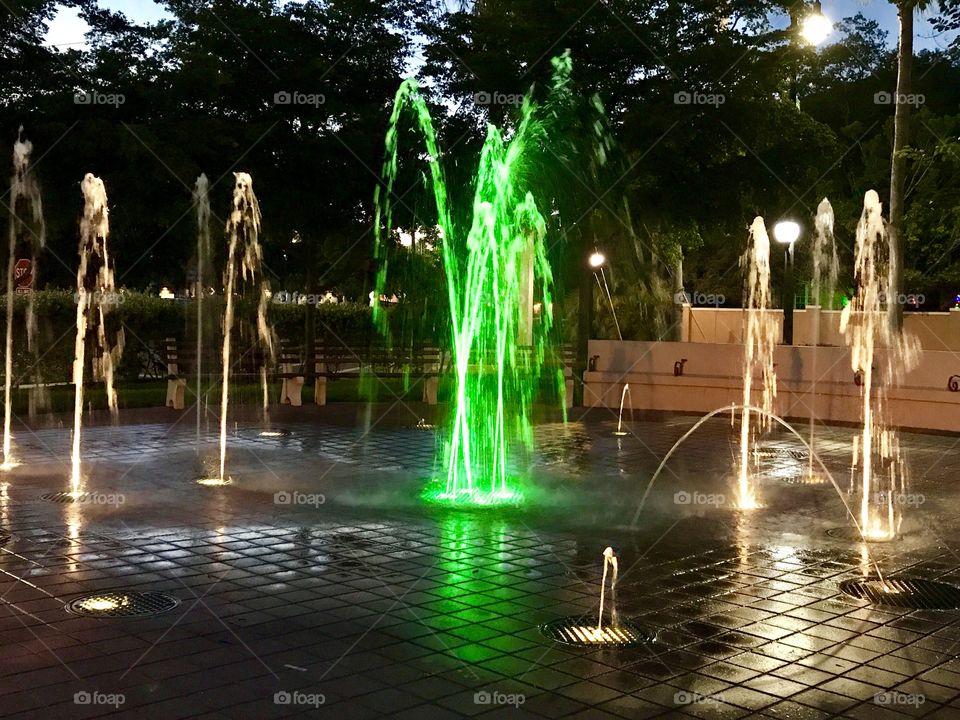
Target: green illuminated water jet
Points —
{"points": [[494, 261]]}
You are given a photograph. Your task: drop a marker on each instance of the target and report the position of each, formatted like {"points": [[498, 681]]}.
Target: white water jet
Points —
{"points": [[201, 198], [866, 325], [96, 295], [759, 342], [243, 237], [824, 259], [609, 561], [27, 232], [623, 396]]}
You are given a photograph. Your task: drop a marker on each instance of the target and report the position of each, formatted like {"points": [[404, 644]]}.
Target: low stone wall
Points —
{"points": [[813, 326], [809, 379]]}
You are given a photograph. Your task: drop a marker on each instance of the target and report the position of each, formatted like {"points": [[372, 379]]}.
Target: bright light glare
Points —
{"points": [[816, 28], [597, 259], [786, 232]]}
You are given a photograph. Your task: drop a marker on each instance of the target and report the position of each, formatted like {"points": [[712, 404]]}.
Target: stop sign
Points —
{"points": [[23, 275]]}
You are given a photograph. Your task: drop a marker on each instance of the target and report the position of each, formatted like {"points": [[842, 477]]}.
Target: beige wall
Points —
{"points": [[814, 379], [935, 331]]}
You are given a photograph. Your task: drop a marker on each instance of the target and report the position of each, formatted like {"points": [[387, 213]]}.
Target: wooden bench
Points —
{"points": [[334, 360], [247, 363]]}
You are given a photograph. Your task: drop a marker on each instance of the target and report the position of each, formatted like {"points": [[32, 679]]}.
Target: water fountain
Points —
{"points": [[27, 234], [244, 263], [609, 561], [759, 343], [825, 262], [96, 296], [201, 198], [496, 373], [878, 472]]}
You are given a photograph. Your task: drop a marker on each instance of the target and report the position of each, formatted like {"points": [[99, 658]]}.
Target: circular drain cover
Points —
{"points": [[64, 497], [583, 631], [910, 593], [122, 604]]}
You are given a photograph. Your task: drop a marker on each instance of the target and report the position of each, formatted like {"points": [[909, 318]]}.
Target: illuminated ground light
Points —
{"points": [[910, 593], [274, 433], [7, 466], [583, 631], [214, 481], [122, 604], [437, 494]]}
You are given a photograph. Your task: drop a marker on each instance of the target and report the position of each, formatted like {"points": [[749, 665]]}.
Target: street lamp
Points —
{"points": [[786, 232]]}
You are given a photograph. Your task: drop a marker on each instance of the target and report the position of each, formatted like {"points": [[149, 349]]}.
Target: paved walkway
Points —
{"points": [[318, 585]]}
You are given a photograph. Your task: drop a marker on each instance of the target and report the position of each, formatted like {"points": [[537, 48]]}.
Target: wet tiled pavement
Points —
{"points": [[318, 585]]}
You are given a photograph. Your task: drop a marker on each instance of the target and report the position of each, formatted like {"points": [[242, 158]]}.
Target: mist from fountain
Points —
{"points": [[878, 472], [759, 343], [27, 233]]}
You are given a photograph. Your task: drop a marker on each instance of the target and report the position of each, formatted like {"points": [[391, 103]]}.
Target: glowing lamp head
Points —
{"points": [[597, 259], [786, 232], [816, 27]]}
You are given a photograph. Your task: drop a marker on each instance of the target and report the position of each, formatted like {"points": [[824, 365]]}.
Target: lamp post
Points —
{"points": [[786, 232]]}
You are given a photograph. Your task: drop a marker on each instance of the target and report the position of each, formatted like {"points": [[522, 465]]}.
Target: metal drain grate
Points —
{"points": [[908, 593], [5, 537], [775, 452], [123, 604], [64, 497], [582, 631], [849, 533]]}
